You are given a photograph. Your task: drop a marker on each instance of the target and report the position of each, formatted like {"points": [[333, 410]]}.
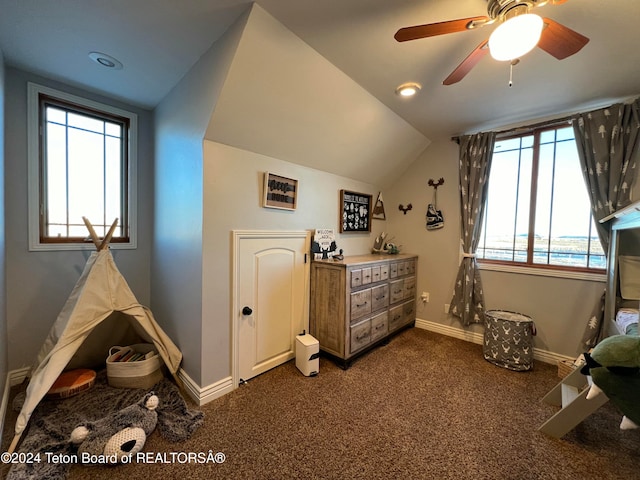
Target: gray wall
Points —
{"points": [[180, 122], [560, 307], [38, 283]]}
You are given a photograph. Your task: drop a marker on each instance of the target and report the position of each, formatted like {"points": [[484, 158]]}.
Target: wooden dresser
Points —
{"points": [[359, 302]]}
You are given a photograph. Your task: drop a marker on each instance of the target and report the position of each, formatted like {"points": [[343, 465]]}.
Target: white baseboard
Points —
{"points": [[475, 337], [14, 377], [204, 395], [5, 402]]}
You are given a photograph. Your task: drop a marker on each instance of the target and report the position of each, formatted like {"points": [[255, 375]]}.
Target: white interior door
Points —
{"points": [[271, 299]]}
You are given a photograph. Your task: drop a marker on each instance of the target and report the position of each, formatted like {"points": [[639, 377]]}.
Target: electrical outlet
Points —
{"points": [[446, 308], [425, 297]]}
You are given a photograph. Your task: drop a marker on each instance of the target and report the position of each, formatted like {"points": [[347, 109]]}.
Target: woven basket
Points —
{"points": [[140, 374]]}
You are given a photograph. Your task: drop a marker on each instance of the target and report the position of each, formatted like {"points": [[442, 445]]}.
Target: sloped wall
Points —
{"points": [[283, 99], [176, 270], [260, 99]]}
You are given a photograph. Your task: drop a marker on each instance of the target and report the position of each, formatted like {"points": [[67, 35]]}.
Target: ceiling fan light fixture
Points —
{"points": [[408, 89], [515, 37]]}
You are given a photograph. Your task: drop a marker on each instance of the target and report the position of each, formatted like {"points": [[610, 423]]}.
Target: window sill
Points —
{"points": [[543, 272], [57, 247]]}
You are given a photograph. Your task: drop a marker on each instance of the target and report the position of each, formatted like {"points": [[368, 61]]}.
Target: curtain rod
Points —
{"points": [[525, 128], [549, 123]]}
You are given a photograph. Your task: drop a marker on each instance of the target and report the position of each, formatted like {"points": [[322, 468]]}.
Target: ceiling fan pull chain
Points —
{"points": [[510, 74]]}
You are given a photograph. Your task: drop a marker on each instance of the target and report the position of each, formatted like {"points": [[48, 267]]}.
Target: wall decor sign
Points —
{"points": [[355, 212], [280, 192], [378, 209]]}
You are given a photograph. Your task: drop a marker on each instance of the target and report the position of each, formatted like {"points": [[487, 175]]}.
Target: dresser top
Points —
{"points": [[367, 258]]}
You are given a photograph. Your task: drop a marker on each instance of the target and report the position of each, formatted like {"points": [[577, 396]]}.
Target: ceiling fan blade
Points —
{"points": [[560, 41], [440, 28], [467, 64]]}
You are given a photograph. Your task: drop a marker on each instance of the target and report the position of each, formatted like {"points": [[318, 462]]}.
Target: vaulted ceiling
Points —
{"points": [[158, 41]]}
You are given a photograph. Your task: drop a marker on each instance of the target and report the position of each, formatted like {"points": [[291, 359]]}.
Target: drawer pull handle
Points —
{"points": [[361, 337], [361, 304], [380, 298]]}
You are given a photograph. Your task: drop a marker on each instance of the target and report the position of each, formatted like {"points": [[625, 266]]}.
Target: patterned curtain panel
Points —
{"points": [[607, 142], [476, 152]]}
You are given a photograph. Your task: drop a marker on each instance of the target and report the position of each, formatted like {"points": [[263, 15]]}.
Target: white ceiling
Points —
{"points": [[159, 40]]}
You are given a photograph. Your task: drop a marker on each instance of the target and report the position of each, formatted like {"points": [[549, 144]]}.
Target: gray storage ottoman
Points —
{"points": [[508, 339]]}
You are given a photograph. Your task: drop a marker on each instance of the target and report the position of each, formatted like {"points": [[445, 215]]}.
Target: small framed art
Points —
{"points": [[355, 212], [280, 192]]}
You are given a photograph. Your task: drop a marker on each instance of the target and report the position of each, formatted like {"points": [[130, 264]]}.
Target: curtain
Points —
{"points": [[607, 142], [476, 152]]}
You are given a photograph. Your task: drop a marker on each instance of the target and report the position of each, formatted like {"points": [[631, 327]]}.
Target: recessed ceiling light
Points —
{"points": [[408, 89], [105, 60]]}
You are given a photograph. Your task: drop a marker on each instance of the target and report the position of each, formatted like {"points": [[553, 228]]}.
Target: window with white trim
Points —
{"points": [[537, 212], [82, 164]]}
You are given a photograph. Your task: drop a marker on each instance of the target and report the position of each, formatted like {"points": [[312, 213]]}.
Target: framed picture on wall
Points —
{"points": [[280, 192], [355, 212]]}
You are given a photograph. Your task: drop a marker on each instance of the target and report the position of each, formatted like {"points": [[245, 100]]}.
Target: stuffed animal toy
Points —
{"points": [[121, 434], [614, 366]]}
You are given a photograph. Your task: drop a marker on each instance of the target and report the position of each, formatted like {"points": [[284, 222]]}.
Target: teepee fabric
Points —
{"points": [[100, 292]]}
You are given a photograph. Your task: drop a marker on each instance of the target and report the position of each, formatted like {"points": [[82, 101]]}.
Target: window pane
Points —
{"points": [[506, 214], [86, 176], [56, 115], [56, 174], [113, 129], [563, 229], [85, 123]]}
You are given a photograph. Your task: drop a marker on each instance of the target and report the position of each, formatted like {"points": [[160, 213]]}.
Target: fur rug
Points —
{"points": [[52, 421]]}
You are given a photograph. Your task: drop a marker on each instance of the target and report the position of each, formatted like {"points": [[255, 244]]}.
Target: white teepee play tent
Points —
{"points": [[101, 293]]}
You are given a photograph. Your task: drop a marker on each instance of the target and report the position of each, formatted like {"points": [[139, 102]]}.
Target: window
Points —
{"points": [[82, 164], [538, 212]]}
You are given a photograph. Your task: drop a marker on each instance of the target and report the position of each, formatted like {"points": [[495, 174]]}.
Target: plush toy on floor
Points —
{"points": [[614, 366], [121, 434]]}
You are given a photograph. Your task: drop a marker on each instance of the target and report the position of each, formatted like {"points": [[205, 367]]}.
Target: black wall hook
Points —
{"points": [[436, 184], [404, 209]]}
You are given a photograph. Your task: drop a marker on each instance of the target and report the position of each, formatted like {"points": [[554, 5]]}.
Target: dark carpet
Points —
{"points": [[425, 406]]}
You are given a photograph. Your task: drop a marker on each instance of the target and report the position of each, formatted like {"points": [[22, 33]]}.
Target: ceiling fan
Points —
{"points": [[552, 37]]}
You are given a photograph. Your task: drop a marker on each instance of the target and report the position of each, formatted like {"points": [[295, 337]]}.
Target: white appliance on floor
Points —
{"points": [[307, 354]]}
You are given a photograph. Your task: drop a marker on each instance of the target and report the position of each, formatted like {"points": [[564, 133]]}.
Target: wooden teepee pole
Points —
{"points": [[100, 245]]}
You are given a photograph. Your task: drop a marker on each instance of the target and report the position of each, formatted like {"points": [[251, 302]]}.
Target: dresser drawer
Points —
{"points": [[395, 317], [356, 278], [409, 287], [379, 297], [375, 274], [397, 291], [409, 312], [360, 336], [402, 269], [393, 270], [379, 326], [360, 304], [384, 272], [366, 276], [411, 267]]}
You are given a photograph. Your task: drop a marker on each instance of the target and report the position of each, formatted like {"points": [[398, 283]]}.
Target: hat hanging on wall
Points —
{"points": [[435, 220]]}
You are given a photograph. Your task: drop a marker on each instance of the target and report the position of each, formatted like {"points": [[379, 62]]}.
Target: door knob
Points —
{"points": [[247, 311]]}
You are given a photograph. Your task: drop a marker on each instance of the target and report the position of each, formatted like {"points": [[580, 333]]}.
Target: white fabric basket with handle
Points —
{"points": [[137, 374]]}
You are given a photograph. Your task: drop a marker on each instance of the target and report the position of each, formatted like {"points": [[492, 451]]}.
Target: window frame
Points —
{"points": [[35, 149], [529, 267]]}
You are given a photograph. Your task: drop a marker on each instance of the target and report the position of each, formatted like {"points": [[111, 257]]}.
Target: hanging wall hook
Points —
{"points": [[404, 209], [436, 184]]}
